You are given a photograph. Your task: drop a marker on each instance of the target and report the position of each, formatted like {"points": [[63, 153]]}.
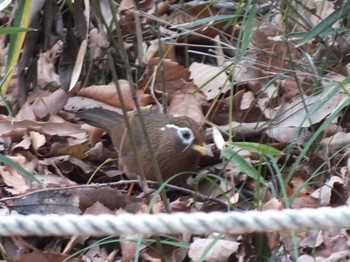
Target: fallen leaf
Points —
{"points": [[220, 251], [109, 95], [187, 105], [211, 80]]}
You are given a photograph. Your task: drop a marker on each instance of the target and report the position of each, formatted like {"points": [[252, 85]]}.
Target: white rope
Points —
{"points": [[145, 224]]}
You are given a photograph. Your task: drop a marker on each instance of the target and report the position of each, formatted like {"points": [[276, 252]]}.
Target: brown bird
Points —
{"points": [[177, 142]]}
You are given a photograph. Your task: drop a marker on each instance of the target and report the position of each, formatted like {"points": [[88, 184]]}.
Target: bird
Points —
{"points": [[177, 142]]}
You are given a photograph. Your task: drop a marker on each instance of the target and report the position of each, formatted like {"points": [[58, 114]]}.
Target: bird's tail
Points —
{"points": [[101, 118]]}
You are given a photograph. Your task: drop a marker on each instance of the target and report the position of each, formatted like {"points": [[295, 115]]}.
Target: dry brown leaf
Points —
{"points": [[108, 94], [24, 144], [269, 81], [168, 50], [100, 153], [243, 111], [187, 105], [66, 164], [59, 149], [16, 128], [97, 44], [247, 101], [170, 75], [273, 203], [127, 22], [13, 178], [339, 140], [306, 201], [219, 113], [46, 67], [98, 208], [316, 12], [337, 256], [297, 113], [287, 134], [220, 251], [289, 87], [51, 180], [37, 140], [273, 238], [246, 72], [130, 4], [42, 104], [211, 80], [331, 189], [313, 239], [182, 204], [94, 134], [42, 256], [49, 105], [128, 247], [275, 54], [99, 253]]}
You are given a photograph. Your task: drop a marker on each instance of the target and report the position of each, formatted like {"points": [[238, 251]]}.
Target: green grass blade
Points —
{"points": [[16, 40], [14, 30], [326, 23], [20, 169], [248, 28], [257, 147], [243, 165]]}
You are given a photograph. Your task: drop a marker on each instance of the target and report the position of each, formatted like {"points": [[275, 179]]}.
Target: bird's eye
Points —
{"points": [[186, 134]]}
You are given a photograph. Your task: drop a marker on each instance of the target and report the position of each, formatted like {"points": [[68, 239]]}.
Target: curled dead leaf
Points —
{"points": [[169, 76], [187, 105], [211, 80], [109, 95]]}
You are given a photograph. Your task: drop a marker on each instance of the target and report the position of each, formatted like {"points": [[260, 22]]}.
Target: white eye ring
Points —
{"points": [[184, 133]]}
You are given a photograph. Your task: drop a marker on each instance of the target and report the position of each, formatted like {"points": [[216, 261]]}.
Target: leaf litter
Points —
{"points": [[190, 59]]}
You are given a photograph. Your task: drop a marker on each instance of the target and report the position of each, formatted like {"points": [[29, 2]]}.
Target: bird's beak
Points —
{"points": [[203, 149]]}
